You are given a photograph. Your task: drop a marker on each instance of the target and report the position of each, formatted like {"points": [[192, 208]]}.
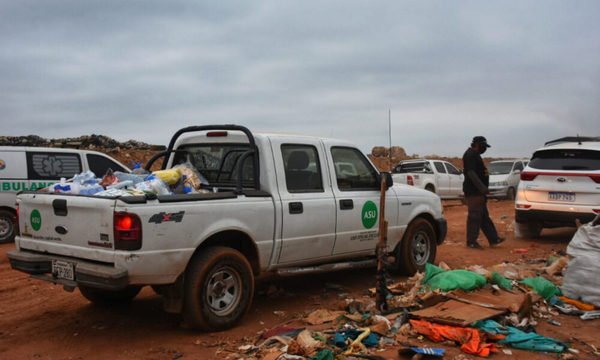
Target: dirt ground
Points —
{"points": [[39, 320]]}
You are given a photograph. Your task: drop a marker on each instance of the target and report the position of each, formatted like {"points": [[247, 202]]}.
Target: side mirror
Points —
{"points": [[389, 181]]}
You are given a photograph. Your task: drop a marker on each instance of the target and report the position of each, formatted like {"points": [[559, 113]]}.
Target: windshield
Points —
{"points": [[566, 159], [497, 168], [218, 163]]}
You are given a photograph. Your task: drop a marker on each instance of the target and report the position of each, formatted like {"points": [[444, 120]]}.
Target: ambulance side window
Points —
{"points": [[99, 164], [52, 166]]}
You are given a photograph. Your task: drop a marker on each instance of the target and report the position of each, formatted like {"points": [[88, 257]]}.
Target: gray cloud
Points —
{"points": [[519, 73]]}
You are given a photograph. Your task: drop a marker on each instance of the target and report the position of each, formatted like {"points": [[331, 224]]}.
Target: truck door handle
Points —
{"points": [[60, 207], [296, 208], [346, 204]]}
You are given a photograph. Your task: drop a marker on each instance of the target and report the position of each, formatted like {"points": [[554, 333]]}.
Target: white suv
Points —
{"points": [[560, 185], [504, 177]]}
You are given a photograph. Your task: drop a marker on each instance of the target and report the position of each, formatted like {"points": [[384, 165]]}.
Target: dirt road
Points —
{"points": [[39, 320]]}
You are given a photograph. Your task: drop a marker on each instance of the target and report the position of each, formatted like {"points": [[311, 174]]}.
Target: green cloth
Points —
{"points": [[521, 340], [323, 355], [542, 286], [437, 278], [503, 282]]}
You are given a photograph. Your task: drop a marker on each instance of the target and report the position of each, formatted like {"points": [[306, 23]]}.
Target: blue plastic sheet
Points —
{"points": [[521, 340], [339, 338]]}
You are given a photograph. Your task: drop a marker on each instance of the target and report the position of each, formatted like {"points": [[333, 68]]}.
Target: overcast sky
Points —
{"points": [[518, 72]]}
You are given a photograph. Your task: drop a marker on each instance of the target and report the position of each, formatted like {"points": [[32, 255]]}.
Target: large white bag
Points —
{"points": [[582, 276]]}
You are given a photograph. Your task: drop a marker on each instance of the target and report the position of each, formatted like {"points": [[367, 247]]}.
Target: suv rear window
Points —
{"points": [[566, 159]]}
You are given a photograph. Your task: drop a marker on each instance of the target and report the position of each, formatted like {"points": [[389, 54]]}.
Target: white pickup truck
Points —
{"points": [[277, 204], [437, 176]]}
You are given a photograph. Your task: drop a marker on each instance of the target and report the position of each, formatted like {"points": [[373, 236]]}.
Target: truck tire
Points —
{"points": [[527, 230], [510, 193], [430, 187], [218, 289], [7, 227], [417, 248], [109, 297]]}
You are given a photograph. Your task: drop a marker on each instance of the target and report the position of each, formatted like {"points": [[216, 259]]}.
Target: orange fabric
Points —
{"points": [[578, 304], [469, 338]]}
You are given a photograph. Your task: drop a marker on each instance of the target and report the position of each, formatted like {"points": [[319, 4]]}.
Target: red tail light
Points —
{"points": [[17, 220], [216, 134], [128, 231], [528, 176], [597, 211], [523, 206], [410, 180], [596, 178]]}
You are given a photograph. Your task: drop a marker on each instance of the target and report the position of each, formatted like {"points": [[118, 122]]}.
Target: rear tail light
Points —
{"points": [[410, 181], [216, 134], [128, 231], [17, 219], [528, 176], [523, 206], [597, 211], [596, 178]]}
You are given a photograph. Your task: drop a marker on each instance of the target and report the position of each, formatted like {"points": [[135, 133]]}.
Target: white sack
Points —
{"points": [[582, 276]]}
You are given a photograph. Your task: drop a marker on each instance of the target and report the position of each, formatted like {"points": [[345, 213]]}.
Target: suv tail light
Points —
{"points": [[528, 176], [128, 231], [410, 181], [596, 178]]}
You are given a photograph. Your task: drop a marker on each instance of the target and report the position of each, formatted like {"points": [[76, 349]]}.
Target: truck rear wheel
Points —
{"points": [[109, 297], [418, 247], [430, 187], [218, 290], [7, 227]]}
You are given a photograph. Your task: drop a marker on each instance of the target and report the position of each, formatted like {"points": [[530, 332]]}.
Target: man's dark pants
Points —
{"points": [[479, 218]]}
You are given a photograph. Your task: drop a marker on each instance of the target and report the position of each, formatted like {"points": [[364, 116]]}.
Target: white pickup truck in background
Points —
{"points": [[275, 203], [437, 176]]}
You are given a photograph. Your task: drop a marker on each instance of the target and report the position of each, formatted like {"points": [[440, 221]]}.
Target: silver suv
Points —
{"points": [[560, 185]]}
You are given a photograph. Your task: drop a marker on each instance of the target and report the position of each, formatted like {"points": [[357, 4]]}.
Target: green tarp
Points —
{"points": [[521, 340], [438, 278], [542, 286]]}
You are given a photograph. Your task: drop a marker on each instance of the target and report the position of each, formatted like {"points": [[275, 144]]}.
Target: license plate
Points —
{"points": [[561, 196], [62, 270]]}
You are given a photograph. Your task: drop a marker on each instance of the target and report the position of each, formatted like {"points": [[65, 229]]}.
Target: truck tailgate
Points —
{"points": [[67, 225]]}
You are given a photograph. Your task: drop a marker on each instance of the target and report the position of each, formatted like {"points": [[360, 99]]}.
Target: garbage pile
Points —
{"points": [[181, 179], [480, 310]]}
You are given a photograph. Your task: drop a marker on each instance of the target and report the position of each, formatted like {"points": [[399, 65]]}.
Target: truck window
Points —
{"points": [[452, 170], [100, 164], [365, 176], [52, 165], [302, 168], [439, 166], [413, 167], [218, 163]]}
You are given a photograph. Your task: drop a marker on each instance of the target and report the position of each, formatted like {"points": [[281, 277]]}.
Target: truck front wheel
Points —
{"points": [[109, 297], [218, 290], [418, 247]]}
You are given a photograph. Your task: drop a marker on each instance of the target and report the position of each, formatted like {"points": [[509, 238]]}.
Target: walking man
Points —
{"points": [[475, 187]]}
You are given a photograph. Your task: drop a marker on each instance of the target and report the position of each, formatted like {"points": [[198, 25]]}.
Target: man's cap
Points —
{"points": [[482, 140]]}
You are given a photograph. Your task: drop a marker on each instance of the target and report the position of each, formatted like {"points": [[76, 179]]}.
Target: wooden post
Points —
{"points": [[380, 285]]}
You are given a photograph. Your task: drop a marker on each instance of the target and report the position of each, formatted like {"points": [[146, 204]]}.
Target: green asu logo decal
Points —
{"points": [[36, 220], [369, 214]]}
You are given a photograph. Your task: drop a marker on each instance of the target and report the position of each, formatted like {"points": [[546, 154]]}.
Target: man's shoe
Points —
{"points": [[474, 245], [498, 241]]}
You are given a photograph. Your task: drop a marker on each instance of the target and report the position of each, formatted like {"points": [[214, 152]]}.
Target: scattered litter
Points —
{"points": [[554, 322], [470, 339], [422, 351], [590, 315], [507, 351], [437, 278], [453, 312], [521, 340], [520, 251], [322, 316], [279, 313]]}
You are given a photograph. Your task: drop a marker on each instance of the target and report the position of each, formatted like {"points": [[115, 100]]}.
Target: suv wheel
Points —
{"points": [[527, 230], [510, 193]]}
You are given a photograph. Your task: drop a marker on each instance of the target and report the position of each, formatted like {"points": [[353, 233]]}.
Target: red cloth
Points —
{"points": [[470, 339]]}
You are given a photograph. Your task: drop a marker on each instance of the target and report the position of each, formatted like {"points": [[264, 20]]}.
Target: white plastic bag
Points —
{"points": [[581, 276]]}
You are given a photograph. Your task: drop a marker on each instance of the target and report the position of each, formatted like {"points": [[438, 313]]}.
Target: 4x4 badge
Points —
{"points": [[561, 179]]}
